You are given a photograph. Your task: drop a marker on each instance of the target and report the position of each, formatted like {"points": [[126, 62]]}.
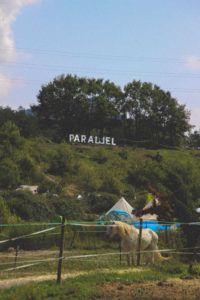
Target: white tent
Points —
{"points": [[122, 205]]}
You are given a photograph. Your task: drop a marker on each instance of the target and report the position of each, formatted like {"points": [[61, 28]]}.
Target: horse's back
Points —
{"points": [[153, 235]]}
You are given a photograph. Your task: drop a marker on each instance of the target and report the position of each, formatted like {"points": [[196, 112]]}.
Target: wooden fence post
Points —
{"points": [[61, 250], [16, 254], [139, 242]]}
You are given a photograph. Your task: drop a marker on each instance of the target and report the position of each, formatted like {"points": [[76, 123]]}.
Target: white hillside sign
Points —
{"points": [[84, 139]]}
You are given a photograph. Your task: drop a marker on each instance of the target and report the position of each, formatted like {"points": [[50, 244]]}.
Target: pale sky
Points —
{"points": [[121, 40]]}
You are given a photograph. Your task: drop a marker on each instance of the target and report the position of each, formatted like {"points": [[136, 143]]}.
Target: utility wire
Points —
{"points": [[56, 67], [98, 56]]}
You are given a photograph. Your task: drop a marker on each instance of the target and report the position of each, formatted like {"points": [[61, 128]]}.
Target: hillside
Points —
{"points": [[100, 173]]}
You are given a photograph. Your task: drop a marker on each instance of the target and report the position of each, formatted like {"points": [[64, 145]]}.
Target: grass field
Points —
{"points": [[142, 283], [95, 277]]}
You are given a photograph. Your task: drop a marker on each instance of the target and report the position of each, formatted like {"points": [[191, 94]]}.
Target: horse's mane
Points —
{"points": [[124, 229]]}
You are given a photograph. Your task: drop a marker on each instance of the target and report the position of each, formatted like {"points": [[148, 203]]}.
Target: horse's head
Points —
{"points": [[111, 229]]}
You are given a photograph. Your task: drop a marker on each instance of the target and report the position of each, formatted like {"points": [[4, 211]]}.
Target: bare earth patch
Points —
{"points": [[170, 289]]}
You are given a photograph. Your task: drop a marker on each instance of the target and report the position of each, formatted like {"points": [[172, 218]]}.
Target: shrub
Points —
{"points": [[88, 178], [123, 154], [100, 155], [29, 206], [27, 167], [9, 174], [101, 202], [68, 206], [4, 212], [63, 161], [111, 183]]}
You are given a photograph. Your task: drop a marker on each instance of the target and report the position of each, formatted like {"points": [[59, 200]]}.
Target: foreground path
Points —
{"points": [[7, 283]]}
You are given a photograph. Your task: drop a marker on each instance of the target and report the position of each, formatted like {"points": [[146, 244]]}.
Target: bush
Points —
{"points": [[88, 178], [63, 161], [27, 167], [68, 206], [9, 174], [123, 154], [111, 183], [100, 155], [101, 202], [29, 206], [4, 212]]}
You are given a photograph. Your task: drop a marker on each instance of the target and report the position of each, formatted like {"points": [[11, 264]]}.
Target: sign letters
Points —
{"points": [[105, 140]]}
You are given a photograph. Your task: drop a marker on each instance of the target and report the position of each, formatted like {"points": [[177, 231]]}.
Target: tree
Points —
{"points": [[193, 140], [26, 122], [63, 105], [135, 107], [152, 113], [142, 112], [104, 99], [71, 104], [10, 138], [178, 180], [6, 114]]}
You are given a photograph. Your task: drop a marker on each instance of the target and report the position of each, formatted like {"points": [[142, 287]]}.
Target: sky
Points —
{"points": [[153, 41]]}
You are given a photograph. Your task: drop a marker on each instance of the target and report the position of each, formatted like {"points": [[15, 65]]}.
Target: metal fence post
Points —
{"points": [[139, 242], [61, 250]]}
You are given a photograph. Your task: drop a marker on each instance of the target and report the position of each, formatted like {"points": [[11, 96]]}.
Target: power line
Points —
{"points": [[98, 56], [133, 72]]}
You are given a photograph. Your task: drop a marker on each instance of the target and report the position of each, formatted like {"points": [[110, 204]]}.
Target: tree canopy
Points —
{"points": [[140, 112]]}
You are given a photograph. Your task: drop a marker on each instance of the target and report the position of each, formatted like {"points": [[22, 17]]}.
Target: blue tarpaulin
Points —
{"points": [[118, 214], [124, 216], [154, 225]]}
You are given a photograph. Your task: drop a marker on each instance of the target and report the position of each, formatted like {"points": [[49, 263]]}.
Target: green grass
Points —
{"points": [[103, 261], [87, 287]]}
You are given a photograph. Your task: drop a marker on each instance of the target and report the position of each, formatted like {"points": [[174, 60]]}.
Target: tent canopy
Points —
{"points": [[122, 206]]}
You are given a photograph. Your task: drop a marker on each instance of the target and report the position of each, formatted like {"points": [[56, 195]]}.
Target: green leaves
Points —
{"points": [[153, 114], [9, 174], [70, 104]]}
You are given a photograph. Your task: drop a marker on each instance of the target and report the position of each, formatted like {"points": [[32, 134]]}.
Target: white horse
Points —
{"points": [[129, 240]]}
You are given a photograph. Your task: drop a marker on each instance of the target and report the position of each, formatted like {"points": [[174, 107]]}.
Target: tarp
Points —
{"points": [[155, 226], [118, 214]]}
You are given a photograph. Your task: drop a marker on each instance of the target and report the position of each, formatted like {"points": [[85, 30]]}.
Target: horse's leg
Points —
{"points": [[133, 258], [146, 256], [151, 254]]}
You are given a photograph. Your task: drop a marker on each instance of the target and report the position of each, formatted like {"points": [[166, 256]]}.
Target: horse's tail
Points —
{"points": [[160, 256]]}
